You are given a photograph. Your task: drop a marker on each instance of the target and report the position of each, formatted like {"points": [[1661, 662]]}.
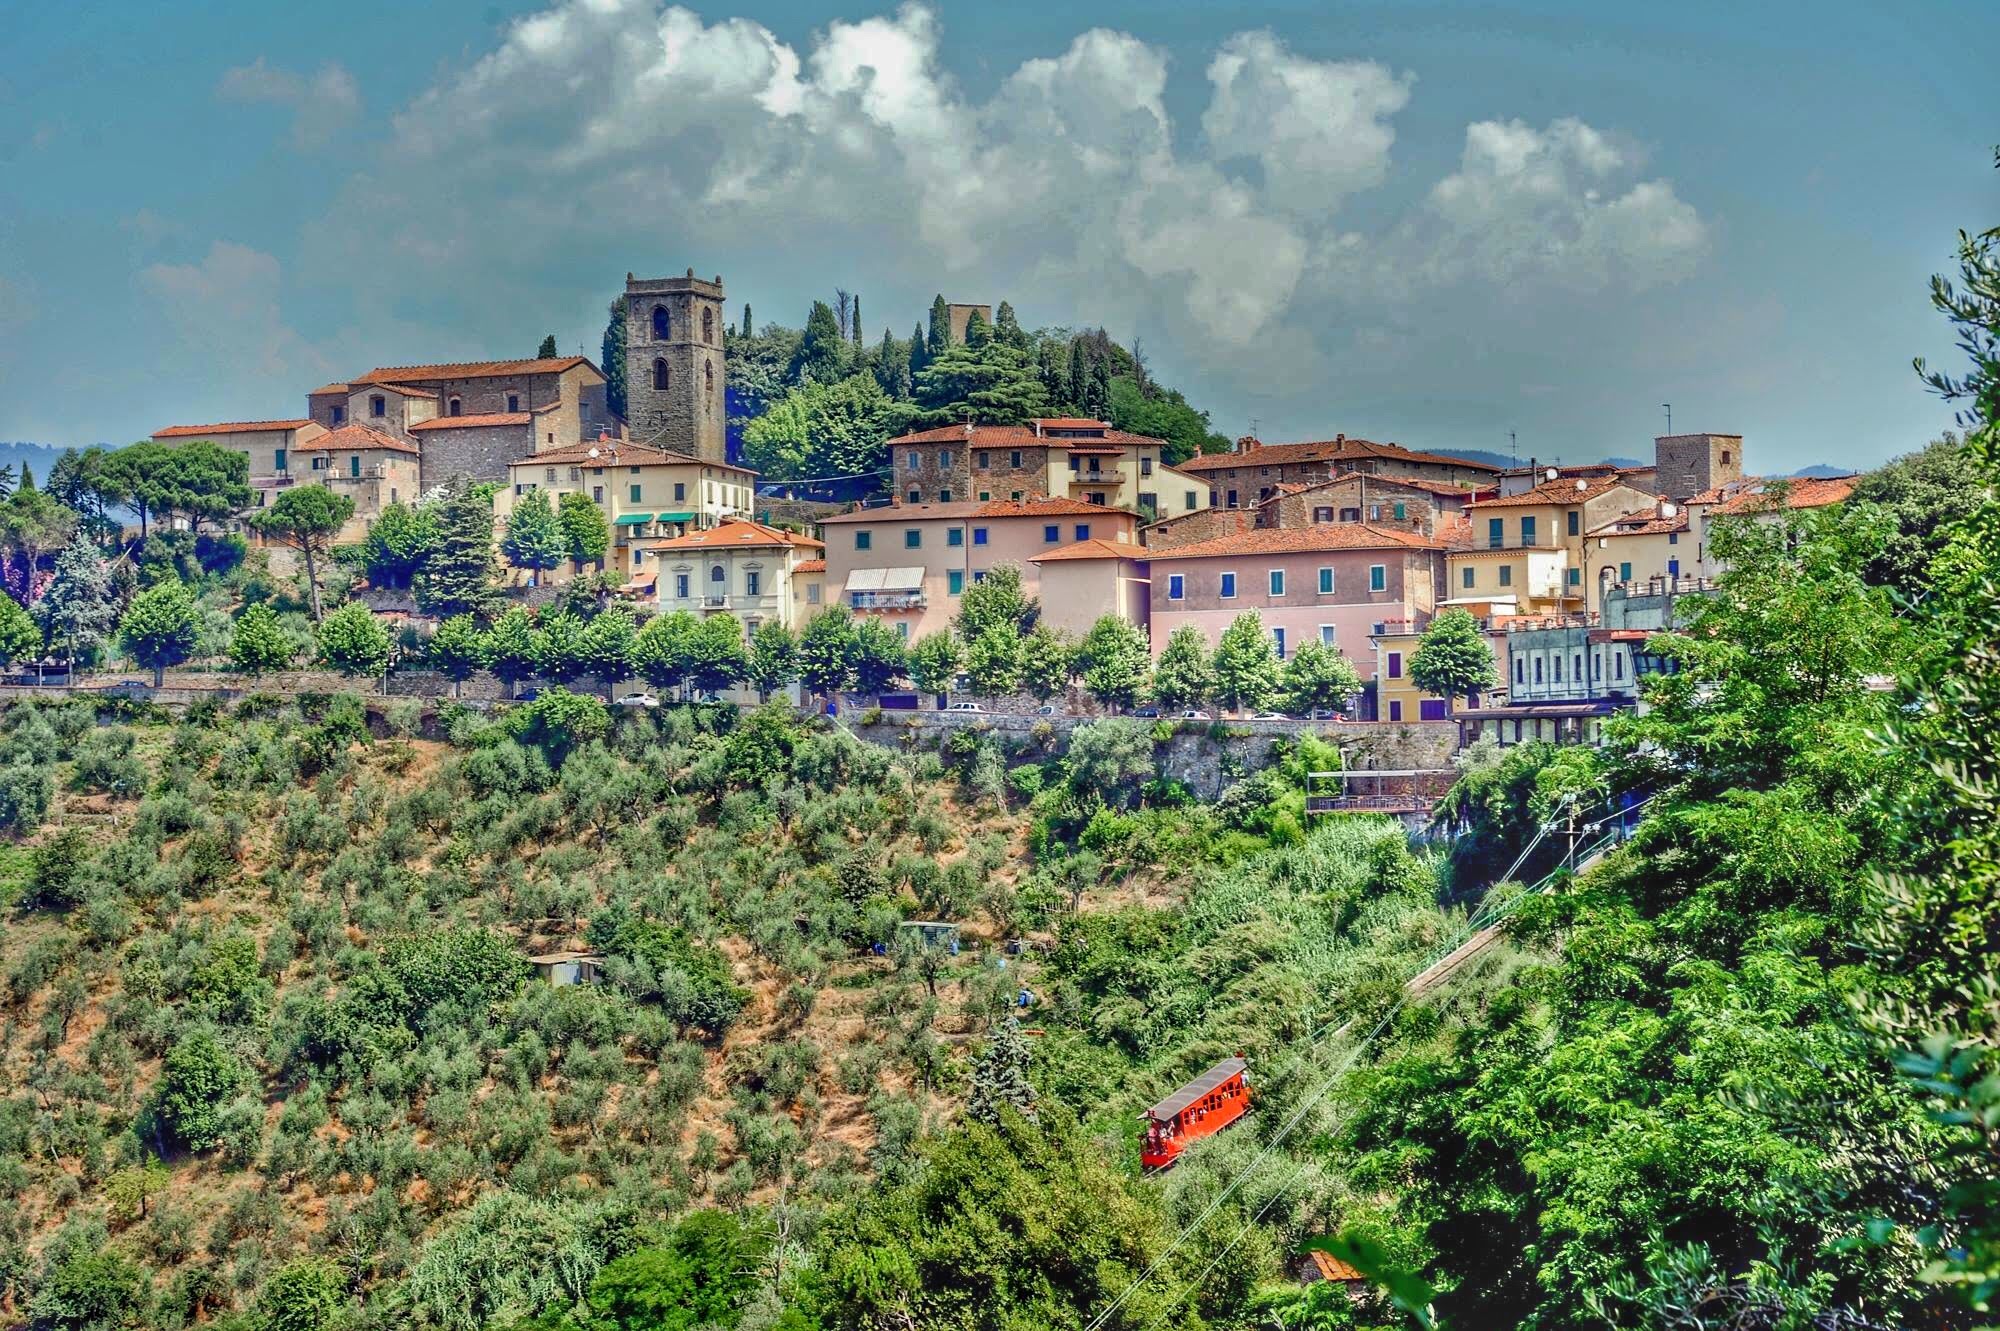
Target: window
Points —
{"points": [[1577, 674], [1083, 531], [378, 405], [1538, 670], [1618, 665], [1624, 573], [632, 494], [278, 462], [1378, 577], [680, 492], [903, 629], [812, 593], [1673, 538], [954, 582], [1051, 534], [1402, 512], [916, 495], [663, 324], [1188, 501], [1176, 586], [1374, 512], [1323, 513], [913, 538], [575, 475], [1520, 670], [1016, 496], [1395, 709], [1556, 671], [1145, 466], [681, 585], [985, 495], [353, 464], [1014, 458], [716, 574], [339, 414], [1528, 530], [1597, 665], [1465, 577], [662, 377], [596, 494], [631, 471], [1496, 535], [984, 459], [1326, 635], [864, 540], [944, 458], [1395, 665], [1228, 586], [1232, 499], [1350, 515], [752, 582], [1575, 576], [1278, 641], [979, 535], [1506, 575], [944, 496], [954, 536], [1326, 581], [1673, 568], [979, 575], [1277, 582], [707, 324], [513, 402], [916, 459], [1575, 521], [1725, 457]]}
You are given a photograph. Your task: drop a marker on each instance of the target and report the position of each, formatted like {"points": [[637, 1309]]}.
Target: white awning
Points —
{"points": [[1479, 600], [865, 579], [885, 580]]}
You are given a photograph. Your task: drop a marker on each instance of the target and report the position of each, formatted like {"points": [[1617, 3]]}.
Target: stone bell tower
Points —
{"points": [[674, 380]]}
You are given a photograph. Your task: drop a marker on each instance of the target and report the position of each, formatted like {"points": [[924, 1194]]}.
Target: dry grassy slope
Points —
{"points": [[862, 1002]]}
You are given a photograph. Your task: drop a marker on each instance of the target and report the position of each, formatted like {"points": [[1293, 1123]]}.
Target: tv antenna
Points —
{"points": [[1514, 447], [1668, 407]]}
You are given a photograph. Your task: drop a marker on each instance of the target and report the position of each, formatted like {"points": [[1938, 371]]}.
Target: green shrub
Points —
{"points": [[306, 1295], [25, 795], [199, 1077]]}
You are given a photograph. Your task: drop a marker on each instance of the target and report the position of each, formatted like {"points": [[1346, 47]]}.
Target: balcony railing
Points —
{"points": [[886, 600], [1077, 478]]}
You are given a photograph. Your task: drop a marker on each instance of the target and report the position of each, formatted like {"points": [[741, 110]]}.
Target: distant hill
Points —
{"points": [[1490, 458], [1820, 471], [38, 457]]}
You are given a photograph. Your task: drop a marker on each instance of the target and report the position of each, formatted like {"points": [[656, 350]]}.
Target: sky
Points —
{"points": [[1429, 223]]}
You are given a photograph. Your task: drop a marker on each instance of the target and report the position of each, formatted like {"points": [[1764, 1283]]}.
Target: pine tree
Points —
{"points": [[612, 351], [80, 606], [458, 577], [307, 518], [821, 351], [1000, 1077], [978, 332], [1008, 329], [940, 335], [548, 350], [920, 352], [1079, 378]]}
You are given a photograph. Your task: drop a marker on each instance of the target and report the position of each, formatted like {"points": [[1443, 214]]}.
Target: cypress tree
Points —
{"points": [[854, 316], [746, 320], [1079, 378], [612, 355], [919, 352], [1001, 1076], [940, 326]]}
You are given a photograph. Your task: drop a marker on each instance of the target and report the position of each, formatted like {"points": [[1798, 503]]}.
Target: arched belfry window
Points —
{"points": [[708, 325], [662, 324], [661, 377]]}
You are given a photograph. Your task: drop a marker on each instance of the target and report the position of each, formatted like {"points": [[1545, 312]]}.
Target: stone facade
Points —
{"points": [[1376, 500], [1205, 525], [475, 452], [1687, 464], [674, 368]]}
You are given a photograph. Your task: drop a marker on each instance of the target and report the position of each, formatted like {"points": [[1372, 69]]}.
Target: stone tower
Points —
{"points": [[673, 365], [1690, 463]]}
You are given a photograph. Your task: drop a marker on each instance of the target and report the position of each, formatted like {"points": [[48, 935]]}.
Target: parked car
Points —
{"points": [[965, 707], [1048, 709], [1195, 714], [639, 700], [1273, 716], [1147, 710]]}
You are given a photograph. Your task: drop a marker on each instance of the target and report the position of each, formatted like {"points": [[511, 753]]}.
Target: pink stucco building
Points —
{"points": [[1332, 583]]}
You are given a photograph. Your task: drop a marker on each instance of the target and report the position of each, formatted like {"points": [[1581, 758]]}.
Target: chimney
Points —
{"points": [[968, 431], [1249, 443]]}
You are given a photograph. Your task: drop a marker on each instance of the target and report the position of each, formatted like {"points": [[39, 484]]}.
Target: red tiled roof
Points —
{"points": [[1071, 423], [1422, 483], [735, 533], [478, 369], [1563, 490], [810, 566], [1761, 495], [1016, 436], [1332, 1268], [996, 508], [1642, 524], [398, 389], [1302, 540], [472, 422], [356, 439], [1337, 449], [330, 388], [622, 453], [225, 427], [1094, 548]]}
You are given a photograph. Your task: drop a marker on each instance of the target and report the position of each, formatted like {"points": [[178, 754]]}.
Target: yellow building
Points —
{"points": [[1397, 697], [1533, 546], [647, 495], [739, 568], [1652, 546]]}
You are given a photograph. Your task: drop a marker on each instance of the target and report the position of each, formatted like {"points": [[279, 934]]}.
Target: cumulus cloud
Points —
{"points": [[627, 130], [224, 314], [321, 103]]}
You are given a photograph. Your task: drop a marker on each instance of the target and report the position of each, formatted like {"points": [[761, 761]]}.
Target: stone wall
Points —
{"points": [[478, 453], [1207, 757]]}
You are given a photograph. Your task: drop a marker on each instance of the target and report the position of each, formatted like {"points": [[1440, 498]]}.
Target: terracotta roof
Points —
{"points": [[1071, 423], [330, 388], [735, 533], [1642, 524], [1302, 540], [1424, 484], [355, 439], [1339, 448], [477, 369], [1332, 1268], [225, 427], [621, 453], [1094, 548], [472, 422], [1453, 531], [810, 566], [398, 389], [1015, 436], [1563, 490], [1760, 495], [996, 508]]}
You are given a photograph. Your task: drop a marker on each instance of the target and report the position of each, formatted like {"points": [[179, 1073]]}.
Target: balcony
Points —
{"points": [[886, 600], [1099, 478]]}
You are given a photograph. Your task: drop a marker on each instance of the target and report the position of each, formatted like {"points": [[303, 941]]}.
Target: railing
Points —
{"points": [[715, 602], [1096, 478], [887, 600]]}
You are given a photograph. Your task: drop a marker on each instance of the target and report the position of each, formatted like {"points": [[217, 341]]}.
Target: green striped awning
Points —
{"points": [[634, 519], [677, 517]]}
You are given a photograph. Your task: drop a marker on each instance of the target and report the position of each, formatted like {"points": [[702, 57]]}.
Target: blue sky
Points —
{"points": [[1430, 223]]}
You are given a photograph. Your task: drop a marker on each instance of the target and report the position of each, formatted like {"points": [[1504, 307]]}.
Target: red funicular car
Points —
{"points": [[1208, 1104]]}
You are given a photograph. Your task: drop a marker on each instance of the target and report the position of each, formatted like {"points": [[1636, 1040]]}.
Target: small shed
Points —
{"points": [[558, 969], [1313, 1267], [933, 933]]}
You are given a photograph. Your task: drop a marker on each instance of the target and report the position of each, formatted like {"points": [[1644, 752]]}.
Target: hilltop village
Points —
{"points": [[1345, 549]]}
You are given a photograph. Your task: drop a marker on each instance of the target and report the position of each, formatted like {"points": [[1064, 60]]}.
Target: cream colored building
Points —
{"points": [[738, 567], [1651, 546], [1061, 457], [1085, 580], [647, 495], [270, 445], [1529, 552], [369, 467]]}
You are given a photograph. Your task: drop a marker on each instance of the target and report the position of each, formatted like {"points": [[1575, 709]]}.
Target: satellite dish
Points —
{"points": [[592, 453], [1552, 473], [1668, 510], [1582, 484]]}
